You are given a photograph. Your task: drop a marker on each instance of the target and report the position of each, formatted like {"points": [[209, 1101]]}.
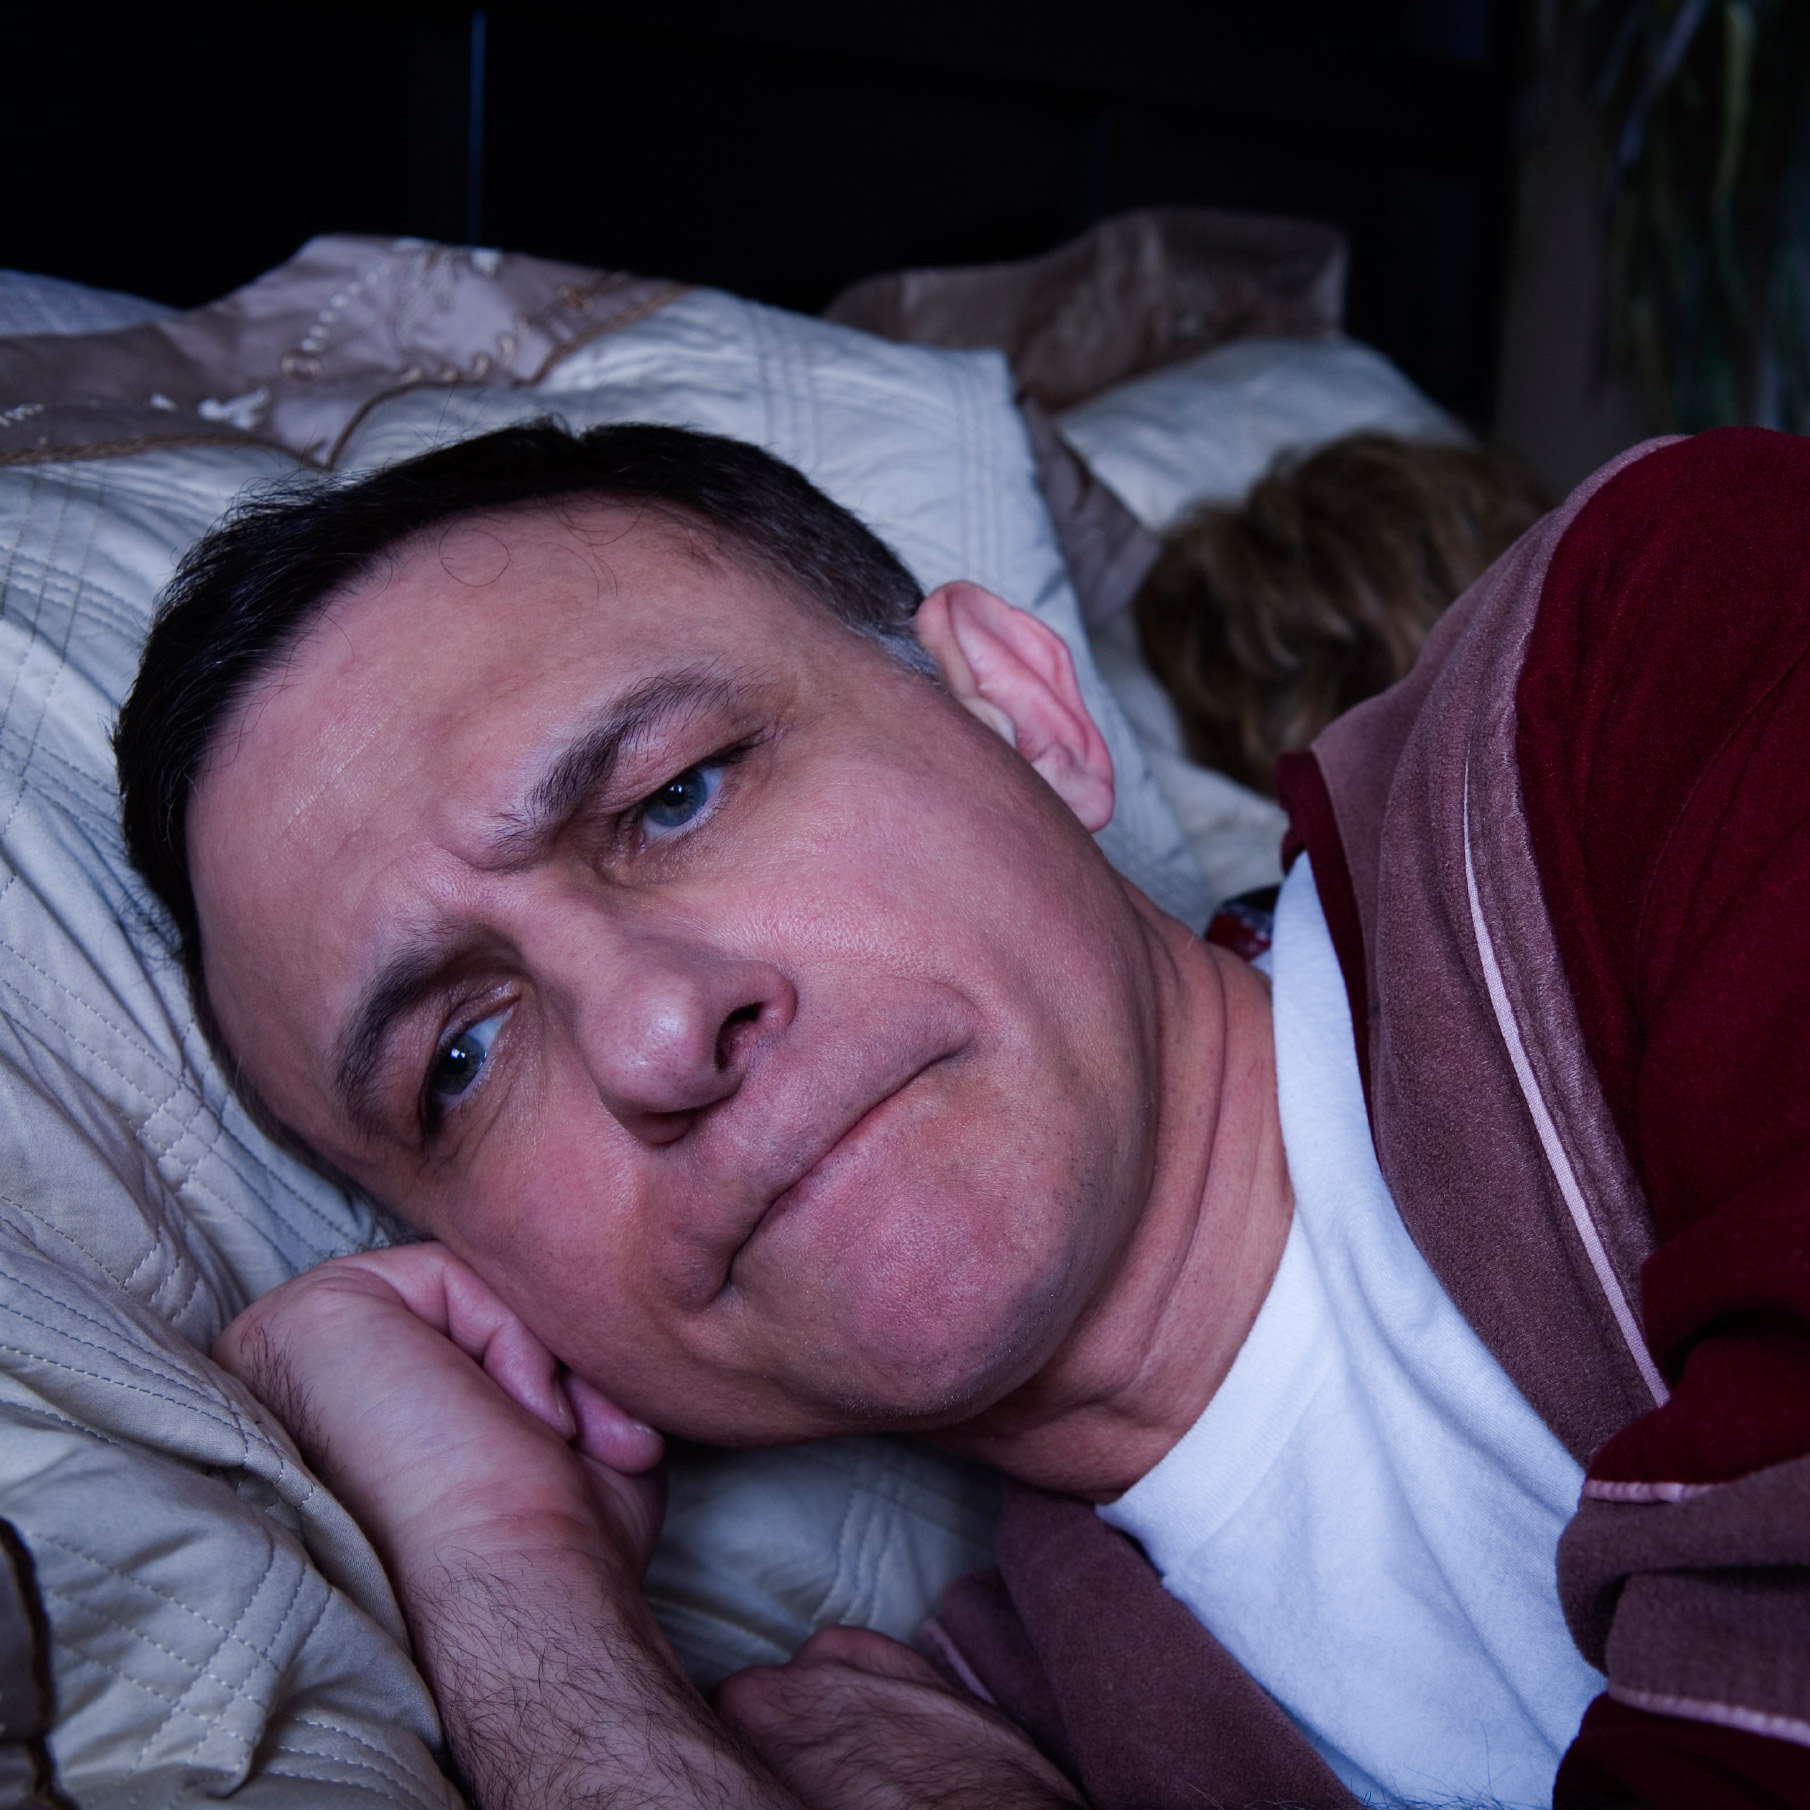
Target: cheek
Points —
{"points": [[940, 1263], [995, 892], [958, 1292], [546, 1213]]}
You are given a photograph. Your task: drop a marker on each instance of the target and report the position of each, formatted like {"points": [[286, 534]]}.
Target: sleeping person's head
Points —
{"points": [[572, 844], [1266, 619]]}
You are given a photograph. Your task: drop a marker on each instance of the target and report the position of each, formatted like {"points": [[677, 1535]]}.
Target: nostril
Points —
{"points": [[730, 1036]]}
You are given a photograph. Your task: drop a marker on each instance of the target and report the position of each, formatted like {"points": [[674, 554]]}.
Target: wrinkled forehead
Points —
{"points": [[425, 689], [580, 550], [498, 603]]}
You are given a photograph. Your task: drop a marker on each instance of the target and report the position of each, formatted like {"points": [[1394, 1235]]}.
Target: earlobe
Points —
{"points": [[1015, 675]]}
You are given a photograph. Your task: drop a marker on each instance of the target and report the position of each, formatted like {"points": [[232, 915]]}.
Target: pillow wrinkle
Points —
{"points": [[154, 1207]]}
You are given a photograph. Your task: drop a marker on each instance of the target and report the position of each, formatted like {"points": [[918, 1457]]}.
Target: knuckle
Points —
{"points": [[752, 1698], [838, 1643], [776, 1697]]}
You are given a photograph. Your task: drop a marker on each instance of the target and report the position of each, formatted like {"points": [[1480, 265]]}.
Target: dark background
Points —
{"points": [[780, 148]]}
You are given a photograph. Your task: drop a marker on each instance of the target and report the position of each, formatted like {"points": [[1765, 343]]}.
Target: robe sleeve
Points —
{"points": [[1664, 748]]}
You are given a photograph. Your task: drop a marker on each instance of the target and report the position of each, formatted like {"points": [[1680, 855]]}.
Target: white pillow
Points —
{"points": [[140, 1209], [1236, 833], [1205, 430], [30, 303], [924, 445], [135, 1191], [93, 1011]]}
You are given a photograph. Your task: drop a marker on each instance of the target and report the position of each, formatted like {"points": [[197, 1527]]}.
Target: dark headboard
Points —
{"points": [[777, 147]]}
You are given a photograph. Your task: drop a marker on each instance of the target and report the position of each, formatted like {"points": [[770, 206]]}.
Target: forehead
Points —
{"points": [[484, 614], [632, 579], [425, 694]]}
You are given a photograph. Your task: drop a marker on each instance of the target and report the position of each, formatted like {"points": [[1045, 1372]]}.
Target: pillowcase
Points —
{"points": [[924, 445], [1236, 832], [30, 303], [1205, 430], [1134, 292], [140, 1207]]}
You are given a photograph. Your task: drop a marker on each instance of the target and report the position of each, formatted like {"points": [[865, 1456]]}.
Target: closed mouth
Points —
{"points": [[850, 1133]]}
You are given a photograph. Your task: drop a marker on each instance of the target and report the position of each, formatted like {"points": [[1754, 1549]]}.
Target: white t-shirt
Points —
{"points": [[1367, 1513]]}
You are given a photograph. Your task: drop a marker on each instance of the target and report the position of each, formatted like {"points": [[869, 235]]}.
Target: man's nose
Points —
{"points": [[668, 1029]]}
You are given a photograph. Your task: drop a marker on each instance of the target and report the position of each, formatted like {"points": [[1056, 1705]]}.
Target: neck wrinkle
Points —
{"points": [[1144, 1360]]}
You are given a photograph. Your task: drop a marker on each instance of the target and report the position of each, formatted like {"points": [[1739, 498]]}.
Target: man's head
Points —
{"points": [[250, 589], [592, 880]]}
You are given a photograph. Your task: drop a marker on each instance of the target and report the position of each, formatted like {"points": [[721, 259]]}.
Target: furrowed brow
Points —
{"points": [[416, 971], [587, 762], [411, 975]]}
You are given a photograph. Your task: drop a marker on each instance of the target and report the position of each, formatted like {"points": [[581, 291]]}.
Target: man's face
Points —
{"points": [[760, 1027]]}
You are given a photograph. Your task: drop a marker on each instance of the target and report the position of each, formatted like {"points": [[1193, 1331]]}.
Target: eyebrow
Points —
{"points": [[408, 977], [568, 779], [588, 761]]}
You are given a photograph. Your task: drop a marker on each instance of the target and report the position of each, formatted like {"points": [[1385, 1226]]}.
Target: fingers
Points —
{"points": [[862, 1650], [453, 1299], [246, 1349], [609, 1434], [404, 1381], [858, 1720], [782, 1711], [448, 1295]]}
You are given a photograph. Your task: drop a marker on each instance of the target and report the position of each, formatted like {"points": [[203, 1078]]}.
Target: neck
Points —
{"points": [[1147, 1357]]}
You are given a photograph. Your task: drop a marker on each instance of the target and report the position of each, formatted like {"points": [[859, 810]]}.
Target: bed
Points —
{"points": [[204, 1619]]}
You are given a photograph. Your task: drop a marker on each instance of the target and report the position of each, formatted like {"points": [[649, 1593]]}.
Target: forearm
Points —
{"points": [[515, 1551], [514, 1513], [556, 1689]]}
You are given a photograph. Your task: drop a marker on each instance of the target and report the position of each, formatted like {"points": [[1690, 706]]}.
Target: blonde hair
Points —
{"points": [[1266, 621]]}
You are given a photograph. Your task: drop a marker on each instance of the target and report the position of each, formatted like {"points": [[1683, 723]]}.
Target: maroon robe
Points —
{"points": [[1566, 867]]}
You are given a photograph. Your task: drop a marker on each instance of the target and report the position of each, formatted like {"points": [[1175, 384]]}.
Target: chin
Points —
{"points": [[927, 1344]]}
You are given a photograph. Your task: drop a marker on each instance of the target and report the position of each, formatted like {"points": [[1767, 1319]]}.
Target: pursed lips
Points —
{"points": [[843, 1133]]}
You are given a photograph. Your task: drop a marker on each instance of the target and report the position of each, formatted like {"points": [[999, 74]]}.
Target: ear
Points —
{"points": [[1012, 673]]}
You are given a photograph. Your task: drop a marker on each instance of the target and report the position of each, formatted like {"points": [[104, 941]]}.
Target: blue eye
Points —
{"points": [[681, 799], [457, 1064]]}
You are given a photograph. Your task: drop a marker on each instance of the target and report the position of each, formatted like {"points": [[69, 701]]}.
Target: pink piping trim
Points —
{"points": [[1598, 1489], [1726, 1715], [933, 1631], [1556, 1157]]}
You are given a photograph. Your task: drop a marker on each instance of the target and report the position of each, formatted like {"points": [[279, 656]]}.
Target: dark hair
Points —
{"points": [[249, 589], [1266, 620]]}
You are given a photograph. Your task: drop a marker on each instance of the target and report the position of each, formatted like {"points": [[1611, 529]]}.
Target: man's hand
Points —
{"points": [[378, 1365], [513, 1508], [858, 1722], [499, 1493]]}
